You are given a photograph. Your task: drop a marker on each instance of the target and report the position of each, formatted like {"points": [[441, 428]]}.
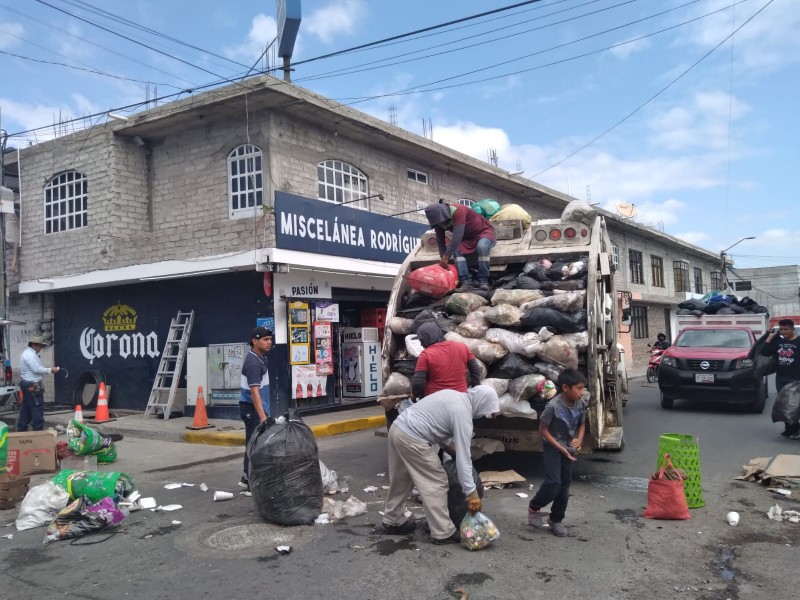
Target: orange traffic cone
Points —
{"points": [[78, 413], [200, 416], [101, 414]]}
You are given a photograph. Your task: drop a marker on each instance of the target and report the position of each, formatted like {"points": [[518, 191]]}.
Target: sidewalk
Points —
{"points": [[226, 432]]}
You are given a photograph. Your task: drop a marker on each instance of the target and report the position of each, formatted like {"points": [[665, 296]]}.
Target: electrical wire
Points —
{"points": [[732, 270], [657, 94]]}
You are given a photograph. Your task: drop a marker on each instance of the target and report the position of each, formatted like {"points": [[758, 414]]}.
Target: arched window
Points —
{"points": [[468, 202], [245, 180], [65, 202], [341, 182]]}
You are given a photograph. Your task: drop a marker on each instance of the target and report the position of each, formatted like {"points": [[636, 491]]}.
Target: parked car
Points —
{"points": [[711, 364]]}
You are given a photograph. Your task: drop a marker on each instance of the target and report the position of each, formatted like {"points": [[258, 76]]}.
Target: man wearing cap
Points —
{"points": [[471, 234], [254, 393], [31, 410]]}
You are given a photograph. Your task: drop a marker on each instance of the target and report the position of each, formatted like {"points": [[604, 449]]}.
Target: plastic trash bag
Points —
{"points": [[500, 385], [579, 340], [330, 485], [665, 496], [525, 387], [513, 212], [546, 390], [397, 385], [570, 285], [338, 509], [511, 408], [536, 271], [549, 370], [401, 326], [478, 531], [285, 477], [428, 315], [40, 505], [95, 485], [456, 501], [503, 314], [85, 440], [535, 318], [80, 518], [579, 211], [486, 208], [565, 271], [786, 408], [483, 350], [568, 302], [511, 366], [482, 369], [763, 365], [433, 280], [405, 366], [413, 345], [525, 344], [464, 303], [516, 297], [559, 351], [474, 326]]}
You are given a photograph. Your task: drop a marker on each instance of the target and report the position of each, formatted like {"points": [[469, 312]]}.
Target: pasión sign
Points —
{"points": [[118, 318], [329, 228]]}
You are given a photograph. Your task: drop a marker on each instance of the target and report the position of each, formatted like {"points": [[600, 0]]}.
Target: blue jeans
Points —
{"points": [[32, 409], [250, 418], [484, 250], [555, 487]]}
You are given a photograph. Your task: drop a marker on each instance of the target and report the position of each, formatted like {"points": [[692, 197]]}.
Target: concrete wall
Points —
{"points": [[777, 288]]}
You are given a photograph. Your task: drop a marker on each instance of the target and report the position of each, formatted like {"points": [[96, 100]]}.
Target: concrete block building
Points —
{"points": [[255, 203]]}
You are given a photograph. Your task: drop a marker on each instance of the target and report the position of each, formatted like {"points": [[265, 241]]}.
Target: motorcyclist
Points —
{"points": [[661, 343]]}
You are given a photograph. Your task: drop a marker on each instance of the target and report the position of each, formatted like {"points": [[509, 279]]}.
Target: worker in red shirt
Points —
{"points": [[443, 364], [471, 234]]}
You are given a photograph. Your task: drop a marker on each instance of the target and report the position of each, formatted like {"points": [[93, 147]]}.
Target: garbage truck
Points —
{"points": [[562, 244]]}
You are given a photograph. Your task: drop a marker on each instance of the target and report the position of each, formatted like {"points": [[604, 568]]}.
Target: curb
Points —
{"points": [[236, 438]]}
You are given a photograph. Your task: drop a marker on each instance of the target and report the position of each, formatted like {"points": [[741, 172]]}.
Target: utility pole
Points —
{"points": [[723, 259]]}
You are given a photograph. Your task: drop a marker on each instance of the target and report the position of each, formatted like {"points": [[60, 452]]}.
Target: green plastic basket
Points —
{"points": [[685, 453]]}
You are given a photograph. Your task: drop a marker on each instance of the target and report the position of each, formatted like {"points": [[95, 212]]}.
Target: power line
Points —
{"points": [[657, 94]]}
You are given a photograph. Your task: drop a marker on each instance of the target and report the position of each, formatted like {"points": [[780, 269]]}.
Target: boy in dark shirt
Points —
{"points": [[786, 347], [562, 425]]}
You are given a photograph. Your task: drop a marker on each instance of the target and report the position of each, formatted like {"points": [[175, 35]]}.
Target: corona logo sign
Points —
{"points": [[119, 317]]}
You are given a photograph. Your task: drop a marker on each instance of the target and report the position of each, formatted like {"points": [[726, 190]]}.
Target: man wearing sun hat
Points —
{"points": [[254, 392], [31, 410]]}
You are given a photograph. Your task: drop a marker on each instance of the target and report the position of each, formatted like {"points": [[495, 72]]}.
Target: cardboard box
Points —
{"points": [[31, 452], [12, 490]]}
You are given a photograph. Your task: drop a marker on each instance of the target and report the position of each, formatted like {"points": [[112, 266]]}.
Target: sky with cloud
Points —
{"points": [[684, 108]]}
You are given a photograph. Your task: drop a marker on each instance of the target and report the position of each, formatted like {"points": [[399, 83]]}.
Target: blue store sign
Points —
{"points": [[328, 228]]}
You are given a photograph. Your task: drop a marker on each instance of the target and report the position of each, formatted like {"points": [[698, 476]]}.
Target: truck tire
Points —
{"points": [[757, 405], [667, 402]]}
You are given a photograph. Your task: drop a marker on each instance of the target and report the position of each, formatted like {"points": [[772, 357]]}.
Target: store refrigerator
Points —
{"points": [[361, 362]]}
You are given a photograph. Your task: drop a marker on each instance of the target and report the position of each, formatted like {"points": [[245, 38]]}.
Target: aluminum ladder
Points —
{"points": [[165, 384]]}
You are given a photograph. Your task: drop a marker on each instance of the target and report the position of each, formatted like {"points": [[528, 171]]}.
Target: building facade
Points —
{"points": [[776, 288], [250, 204]]}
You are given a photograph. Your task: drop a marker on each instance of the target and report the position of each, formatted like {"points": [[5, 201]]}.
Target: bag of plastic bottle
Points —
{"points": [[478, 531], [95, 485], [433, 280]]}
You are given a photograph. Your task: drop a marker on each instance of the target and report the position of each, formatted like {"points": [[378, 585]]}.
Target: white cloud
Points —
{"points": [[9, 32], [69, 44], [22, 116], [263, 30], [698, 238], [629, 48], [768, 42], [334, 20], [656, 214]]}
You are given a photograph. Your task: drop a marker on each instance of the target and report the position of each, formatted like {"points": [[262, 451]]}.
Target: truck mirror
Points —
{"points": [[627, 320]]}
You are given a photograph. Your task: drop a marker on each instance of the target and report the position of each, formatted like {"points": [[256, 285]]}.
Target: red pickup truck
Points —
{"points": [[710, 364]]}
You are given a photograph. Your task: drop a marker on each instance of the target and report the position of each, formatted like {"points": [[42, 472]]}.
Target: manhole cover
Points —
{"points": [[251, 537]]}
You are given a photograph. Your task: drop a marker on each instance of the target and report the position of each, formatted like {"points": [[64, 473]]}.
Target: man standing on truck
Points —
{"points": [[471, 233], [443, 364], [786, 347]]}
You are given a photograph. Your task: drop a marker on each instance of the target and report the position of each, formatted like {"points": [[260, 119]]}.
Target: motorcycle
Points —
{"points": [[652, 366]]}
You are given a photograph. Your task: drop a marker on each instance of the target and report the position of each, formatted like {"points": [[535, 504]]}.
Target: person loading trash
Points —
{"points": [[443, 364], [786, 345], [31, 410], [562, 425], [471, 234], [254, 392], [414, 440]]}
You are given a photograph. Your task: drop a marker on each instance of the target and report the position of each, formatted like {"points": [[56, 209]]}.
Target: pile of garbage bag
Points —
{"points": [[83, 441], [526, 330], [715, 303]]}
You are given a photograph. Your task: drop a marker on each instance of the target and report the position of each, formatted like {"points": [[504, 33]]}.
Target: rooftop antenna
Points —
{"points": [[427, 128], [589, 194], [288, 26], [625, 210], [393, 115], [493, 160]]}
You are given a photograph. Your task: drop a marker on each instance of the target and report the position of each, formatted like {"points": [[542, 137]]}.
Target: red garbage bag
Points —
{"points": [[433, 280], [665, 496]]}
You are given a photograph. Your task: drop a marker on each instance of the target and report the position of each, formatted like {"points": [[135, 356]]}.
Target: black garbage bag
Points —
{"points": [[284, 471], [429, 315], [762, 365], [787, 404], [405, 366], [528, 283], [456, 501], [537, 272], [759, 310], [556, 274], [747, 303], [511, 366], [535, 318], [735, 309], [571, 285], [506, 282], [714, 308], [684, 311], [725, 310], [413, 299], [692, 304]]}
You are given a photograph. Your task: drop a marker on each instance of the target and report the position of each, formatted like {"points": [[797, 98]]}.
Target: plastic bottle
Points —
{"points": [[310, 390], [298, 392], [319, 390]]}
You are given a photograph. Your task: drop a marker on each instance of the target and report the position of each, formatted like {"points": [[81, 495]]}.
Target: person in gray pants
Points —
{"points": [[414, 440]]}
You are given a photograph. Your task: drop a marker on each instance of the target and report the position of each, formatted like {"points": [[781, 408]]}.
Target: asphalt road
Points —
{"points": [[224, 550]]}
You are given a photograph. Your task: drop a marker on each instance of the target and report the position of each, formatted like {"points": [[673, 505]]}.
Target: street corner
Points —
{"points": [[214, 438]]}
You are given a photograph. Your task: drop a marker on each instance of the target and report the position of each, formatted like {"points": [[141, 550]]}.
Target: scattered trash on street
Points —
{"points": [[203, 487], [781, 471], [337, 509], [733, 518], [175, 486], [500, 479], [370, 488], [381, 475], [521, 495], [283, 549], [9, 536], [222, 496], [167, 508], [775, 513], [323, 519], [330, 485], [780, 491], [81, 517]]}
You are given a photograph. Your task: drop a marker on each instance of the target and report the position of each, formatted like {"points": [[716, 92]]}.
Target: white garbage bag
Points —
{"points": [[510, 408], [40, 505], [483, 350]]}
